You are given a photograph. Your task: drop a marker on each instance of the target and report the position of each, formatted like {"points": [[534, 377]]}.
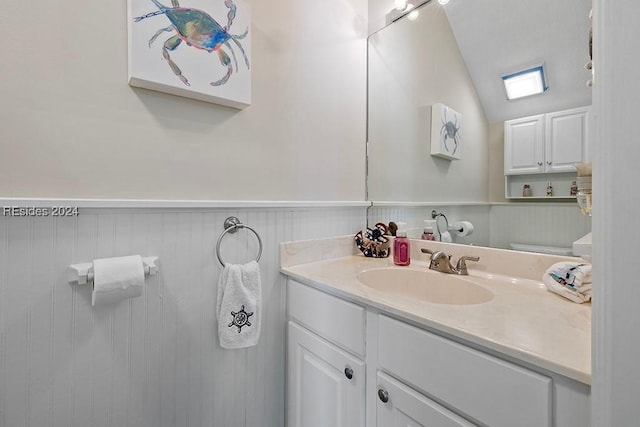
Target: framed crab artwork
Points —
{"points": [[446, 132], [198, 49]]}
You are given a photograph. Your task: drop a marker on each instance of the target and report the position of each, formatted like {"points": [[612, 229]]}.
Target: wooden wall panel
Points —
{"points": [[152, 361]]}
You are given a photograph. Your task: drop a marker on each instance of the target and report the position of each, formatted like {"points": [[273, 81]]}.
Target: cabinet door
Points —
{"points": [[481, 386], [524, 145], [325, 385], [566, 140], [399, 406]]}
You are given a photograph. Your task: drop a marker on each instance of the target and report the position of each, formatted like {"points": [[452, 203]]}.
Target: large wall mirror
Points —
{"points": [[455, 55]]}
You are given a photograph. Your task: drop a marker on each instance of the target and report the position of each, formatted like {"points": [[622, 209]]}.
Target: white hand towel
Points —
{"points": [[239, 305], [571, 280], [445, 237]]}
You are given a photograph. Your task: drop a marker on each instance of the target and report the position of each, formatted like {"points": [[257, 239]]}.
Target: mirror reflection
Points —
{"points": [[438, 110]]}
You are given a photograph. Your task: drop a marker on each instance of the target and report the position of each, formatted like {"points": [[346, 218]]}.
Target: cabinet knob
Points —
{"points": [[539, 163], [383, 395], [348, 372], [549, 163]]}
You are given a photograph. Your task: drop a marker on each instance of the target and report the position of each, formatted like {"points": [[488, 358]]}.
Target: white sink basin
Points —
{"points": [[426, 285]]}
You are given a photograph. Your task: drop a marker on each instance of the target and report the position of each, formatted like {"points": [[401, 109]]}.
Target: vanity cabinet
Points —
{"points": [[326, 385], [478, 385], [326, 370], [406, 375]]}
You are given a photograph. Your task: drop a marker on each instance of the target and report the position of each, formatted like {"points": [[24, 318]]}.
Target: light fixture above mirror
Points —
{"points": [[400, 4], [403, 8]]}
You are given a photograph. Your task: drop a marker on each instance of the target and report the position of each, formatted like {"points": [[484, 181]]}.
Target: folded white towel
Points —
{"points": [[445, 236], [571, 280], [239, 305]]}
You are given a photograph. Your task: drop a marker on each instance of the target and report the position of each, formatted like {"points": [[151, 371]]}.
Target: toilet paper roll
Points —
{"points": [[115, 279], [463, 228]]}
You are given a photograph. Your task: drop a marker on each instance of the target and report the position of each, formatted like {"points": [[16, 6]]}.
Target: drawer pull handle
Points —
{"points": [[383, 395], [348, 372]]}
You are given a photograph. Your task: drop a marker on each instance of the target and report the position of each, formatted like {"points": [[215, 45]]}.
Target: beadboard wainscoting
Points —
{"points": [[478, 214], [497, 224], [545, 224], [152, 361]]}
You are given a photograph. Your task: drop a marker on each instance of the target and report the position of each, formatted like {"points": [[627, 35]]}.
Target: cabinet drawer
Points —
{"points": [[334, 319], [405, 407], [485, 388]]}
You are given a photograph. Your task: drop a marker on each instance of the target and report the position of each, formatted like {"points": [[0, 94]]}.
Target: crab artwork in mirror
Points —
{"points": [[446, 132]]}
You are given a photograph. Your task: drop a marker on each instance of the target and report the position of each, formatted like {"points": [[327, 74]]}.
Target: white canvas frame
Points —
{"points": [[150, 70], [446, 122]]}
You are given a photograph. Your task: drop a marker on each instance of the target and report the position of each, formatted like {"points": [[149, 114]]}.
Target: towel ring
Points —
{"points": [[231, 225]]}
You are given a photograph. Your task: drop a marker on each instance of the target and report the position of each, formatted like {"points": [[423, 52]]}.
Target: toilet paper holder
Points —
{"points": [[82, 274]]}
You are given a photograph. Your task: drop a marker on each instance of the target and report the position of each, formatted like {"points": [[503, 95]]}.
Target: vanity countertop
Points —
{"points": [[523, 320]]}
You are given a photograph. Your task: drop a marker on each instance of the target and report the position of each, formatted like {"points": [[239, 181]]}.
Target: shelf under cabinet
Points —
{"points": [[561, 183], [537, 199]]}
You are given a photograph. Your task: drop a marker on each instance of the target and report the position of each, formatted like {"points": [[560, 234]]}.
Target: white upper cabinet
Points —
{"points": [[546, 143], [567, 137], [524, 145]]}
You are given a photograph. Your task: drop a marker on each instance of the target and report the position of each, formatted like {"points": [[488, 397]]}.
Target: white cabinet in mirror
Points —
{"points": [[541, 151]]}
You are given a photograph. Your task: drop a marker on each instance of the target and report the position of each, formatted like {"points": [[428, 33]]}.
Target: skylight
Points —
{"points": [[525, 83]]}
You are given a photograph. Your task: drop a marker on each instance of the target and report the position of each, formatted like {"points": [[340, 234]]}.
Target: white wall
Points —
{"points": [[496, 162], [616, 291], [413, 65], [498, 37], [70, 126], [378, 10], [152, 361]]}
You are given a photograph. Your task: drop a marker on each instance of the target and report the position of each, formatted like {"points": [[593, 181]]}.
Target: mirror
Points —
{"points": [[455, 55]]}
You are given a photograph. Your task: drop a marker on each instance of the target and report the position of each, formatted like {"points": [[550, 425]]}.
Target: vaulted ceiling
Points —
{"points": [[498, 37]]}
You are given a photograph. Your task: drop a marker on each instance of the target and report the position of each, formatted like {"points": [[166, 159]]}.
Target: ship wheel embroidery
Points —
{"points": [[240, 319]]}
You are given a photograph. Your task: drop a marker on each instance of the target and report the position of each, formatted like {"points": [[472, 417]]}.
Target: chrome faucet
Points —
{"points": [[461, 266], [442, 262]]}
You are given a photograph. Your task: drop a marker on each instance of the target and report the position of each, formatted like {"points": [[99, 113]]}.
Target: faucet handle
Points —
{"points": [[461, 266], [426, 251]]}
